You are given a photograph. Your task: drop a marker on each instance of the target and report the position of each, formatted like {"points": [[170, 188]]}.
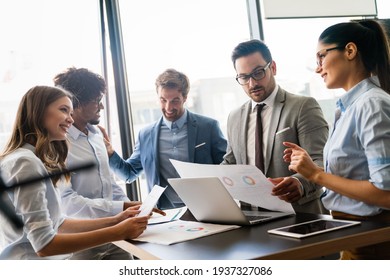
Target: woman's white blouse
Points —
{"points": [[37, 204]]}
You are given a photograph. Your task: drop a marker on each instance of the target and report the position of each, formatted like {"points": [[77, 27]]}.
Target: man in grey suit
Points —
{"points": [[178, 134], [284, 117]]}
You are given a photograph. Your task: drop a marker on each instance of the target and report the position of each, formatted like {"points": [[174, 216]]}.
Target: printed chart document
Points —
{"points": [[179, 231], [171, 215], [151, 200], [244, 182]]}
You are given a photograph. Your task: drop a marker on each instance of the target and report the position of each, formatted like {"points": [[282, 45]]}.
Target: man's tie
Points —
{"points": [[259, 158]]}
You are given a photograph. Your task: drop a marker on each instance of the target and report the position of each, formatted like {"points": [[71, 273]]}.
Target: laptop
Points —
{"points": [[209, 201]]}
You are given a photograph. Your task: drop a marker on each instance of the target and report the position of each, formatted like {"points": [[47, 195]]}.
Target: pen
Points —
{"points": [[197, 146]]}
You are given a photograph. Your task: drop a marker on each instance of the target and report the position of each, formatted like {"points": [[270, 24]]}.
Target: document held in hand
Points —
{"points": [[244, 182], [151, 200]]}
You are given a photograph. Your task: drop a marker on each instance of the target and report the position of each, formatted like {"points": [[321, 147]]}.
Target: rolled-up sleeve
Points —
{"points": [[31, 202]]}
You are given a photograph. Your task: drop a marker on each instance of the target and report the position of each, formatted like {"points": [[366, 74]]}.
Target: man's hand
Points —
{"points": [[107, 142], [288, 189]]}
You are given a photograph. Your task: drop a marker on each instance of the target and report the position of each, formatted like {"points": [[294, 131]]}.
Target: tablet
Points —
{"points": [[312, 227]]}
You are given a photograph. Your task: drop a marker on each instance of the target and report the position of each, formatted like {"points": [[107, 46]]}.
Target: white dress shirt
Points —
{"points": [[93, 193], [266, 114]]}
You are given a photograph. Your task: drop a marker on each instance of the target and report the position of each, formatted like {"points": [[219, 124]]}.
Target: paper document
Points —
{"points": [[179, 231], [171, 215], [244, 182], [151, 200]]}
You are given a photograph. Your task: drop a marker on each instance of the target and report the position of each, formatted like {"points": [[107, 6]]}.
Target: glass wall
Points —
{"points": [[293, 45], [39, 39], [195, 37], [43, 37]]}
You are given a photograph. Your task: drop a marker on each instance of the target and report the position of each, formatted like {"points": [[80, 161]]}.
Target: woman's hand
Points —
{"points": [[300, 161], [138, 203], [132, 227], [127, 213]]}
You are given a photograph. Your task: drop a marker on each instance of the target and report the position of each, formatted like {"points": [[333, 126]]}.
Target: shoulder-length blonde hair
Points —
{"points": [[29, 128]]}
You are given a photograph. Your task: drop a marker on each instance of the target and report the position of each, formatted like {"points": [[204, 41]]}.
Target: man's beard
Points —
{"points": [[94, 122]]}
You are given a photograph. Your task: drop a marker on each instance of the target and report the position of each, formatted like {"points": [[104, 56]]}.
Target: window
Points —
{"points": [[293, 45], [195, 37], [40, 39]]}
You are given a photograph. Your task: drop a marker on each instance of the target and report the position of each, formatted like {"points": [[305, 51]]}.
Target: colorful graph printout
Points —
{"points": [[179, 231]]}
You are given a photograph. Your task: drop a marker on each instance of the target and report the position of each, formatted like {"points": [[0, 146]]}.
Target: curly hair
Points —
{"points": [[84, 85]]}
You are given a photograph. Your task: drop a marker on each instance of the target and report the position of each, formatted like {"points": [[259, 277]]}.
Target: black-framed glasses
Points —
{"points": [[257, 75], [322, 53]]}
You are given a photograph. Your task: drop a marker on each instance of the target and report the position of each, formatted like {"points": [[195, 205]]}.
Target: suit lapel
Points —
{"points": [[155, 144], [192, 131], [274, 122], [244, 119]]}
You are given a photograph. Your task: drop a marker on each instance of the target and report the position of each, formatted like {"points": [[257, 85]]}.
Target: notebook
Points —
{"points": [[209, 201]]}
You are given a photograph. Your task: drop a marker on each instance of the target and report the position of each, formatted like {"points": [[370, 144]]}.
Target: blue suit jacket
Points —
{"points": [[145, 157]]}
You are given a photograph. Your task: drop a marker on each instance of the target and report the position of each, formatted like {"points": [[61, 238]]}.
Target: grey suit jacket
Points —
{"points": [[308, 129]]}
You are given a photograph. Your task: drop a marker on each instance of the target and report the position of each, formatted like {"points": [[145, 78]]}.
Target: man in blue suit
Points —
{"points": [[179, 134]]}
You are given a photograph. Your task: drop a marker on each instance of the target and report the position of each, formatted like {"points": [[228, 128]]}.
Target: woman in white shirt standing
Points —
{"points": [[354, 56], [38, 147]]}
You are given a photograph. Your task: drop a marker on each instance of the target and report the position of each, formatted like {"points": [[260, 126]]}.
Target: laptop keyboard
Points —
{"points": [[257, 218]]}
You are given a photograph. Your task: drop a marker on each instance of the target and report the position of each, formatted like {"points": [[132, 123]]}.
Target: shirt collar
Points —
{"points": [[269, 101], [180, 122], [28, 146], [354, 93], [76, 133]]}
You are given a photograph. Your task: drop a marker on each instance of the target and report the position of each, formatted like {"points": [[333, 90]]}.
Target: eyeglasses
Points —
{"points": [[322, 53], [97, 101], [257, 75]]}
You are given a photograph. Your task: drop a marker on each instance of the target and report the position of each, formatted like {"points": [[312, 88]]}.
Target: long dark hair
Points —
{"points": [[372, 43]]}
